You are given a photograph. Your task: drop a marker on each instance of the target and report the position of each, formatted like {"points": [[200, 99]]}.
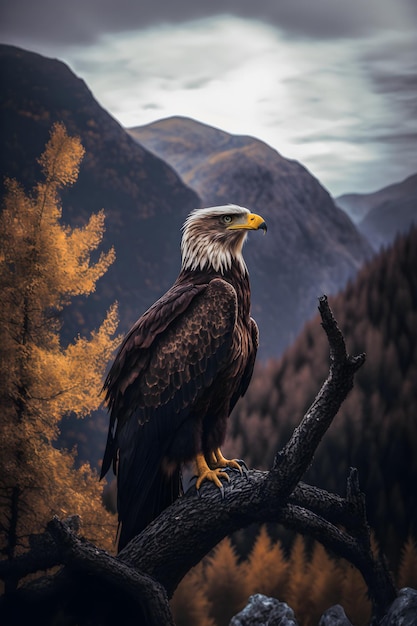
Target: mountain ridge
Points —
{"points": [[144, 200], [383, 214]]}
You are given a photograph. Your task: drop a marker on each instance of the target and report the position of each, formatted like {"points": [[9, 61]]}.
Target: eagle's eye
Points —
{"points": [[227, 219]]}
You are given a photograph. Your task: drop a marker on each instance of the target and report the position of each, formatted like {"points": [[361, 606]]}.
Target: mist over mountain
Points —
{"points": [[312, 247], [382, 215]]}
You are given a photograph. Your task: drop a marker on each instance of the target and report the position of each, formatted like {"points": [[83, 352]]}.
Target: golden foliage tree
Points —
{"points": [[300, 580], [190, 604], [266, 569], [44, 263], [407, 573], [326, 580], [354, 596], [223, 586], [308, 579]]}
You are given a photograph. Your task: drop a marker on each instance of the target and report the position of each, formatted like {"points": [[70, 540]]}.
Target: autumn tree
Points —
{"points": [[44, 263]]}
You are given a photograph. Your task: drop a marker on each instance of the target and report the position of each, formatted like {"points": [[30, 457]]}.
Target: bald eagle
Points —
{"points": [[180, 371]]}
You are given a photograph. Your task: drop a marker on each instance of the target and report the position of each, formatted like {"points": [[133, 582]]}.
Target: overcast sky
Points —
{"points": [[331, 83]]}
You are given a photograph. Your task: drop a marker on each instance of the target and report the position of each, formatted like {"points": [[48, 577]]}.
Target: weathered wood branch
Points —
{"points": [[149, 569], [294, 459], [71, 588]]}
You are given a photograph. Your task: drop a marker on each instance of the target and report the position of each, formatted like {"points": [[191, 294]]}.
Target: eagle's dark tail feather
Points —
{"points": [[149, 504]]}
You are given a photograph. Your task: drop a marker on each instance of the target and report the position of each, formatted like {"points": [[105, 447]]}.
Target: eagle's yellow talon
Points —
{"points": [[213, 476], [234, 465], [218, 461], [204, 472]]}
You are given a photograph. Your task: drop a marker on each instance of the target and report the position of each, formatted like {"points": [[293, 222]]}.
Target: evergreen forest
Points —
{"points": [[376, 428]]}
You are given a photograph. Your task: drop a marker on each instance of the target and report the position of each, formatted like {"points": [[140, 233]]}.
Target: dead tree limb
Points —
{"points": [[148, 570]]}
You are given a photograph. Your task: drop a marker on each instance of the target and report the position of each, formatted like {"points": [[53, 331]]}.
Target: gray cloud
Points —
{"points": [[83, 21], [400, 89], [330, 83], [197, 83], [151, 106]]}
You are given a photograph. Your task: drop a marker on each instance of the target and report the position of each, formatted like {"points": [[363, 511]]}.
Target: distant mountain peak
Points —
{"points": [[382, 214]]}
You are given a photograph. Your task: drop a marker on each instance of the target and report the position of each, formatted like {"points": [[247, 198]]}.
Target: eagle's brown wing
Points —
{"points": [[134, 355], [249, 365], [167, 362]]}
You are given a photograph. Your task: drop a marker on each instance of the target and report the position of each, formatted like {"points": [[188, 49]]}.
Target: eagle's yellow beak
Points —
{"points": [[253, 222]]}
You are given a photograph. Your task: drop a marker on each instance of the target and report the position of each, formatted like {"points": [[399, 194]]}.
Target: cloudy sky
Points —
{"points": [[330, 83]]}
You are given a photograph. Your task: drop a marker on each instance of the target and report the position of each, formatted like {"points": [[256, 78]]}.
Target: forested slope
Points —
{"points": [[376, 429]]}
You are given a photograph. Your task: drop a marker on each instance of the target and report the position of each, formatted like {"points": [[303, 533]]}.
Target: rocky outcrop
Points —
{"points": [[264, 611]]}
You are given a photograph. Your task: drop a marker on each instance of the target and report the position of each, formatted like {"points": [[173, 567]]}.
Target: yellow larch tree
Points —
{"points": [[190, 604], [407, 572], [354, 596], [222, 584], [44, 263], [298, 592], [267, 570], [326, 578]]}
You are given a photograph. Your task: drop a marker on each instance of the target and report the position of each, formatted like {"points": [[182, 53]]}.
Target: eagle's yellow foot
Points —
{"points": [[204, 472], [218, 460]]}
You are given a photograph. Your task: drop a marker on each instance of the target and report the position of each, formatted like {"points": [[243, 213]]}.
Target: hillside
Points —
{"points": [[376, 428], [312, 247], [144, 200], [381, 215]]}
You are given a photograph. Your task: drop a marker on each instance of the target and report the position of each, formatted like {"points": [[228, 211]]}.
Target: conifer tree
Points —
{"points": [[354, 597], [326, 577], [190, 605], [43, 263], [223, 588], [407, 573], [299, 591], [266, 570]]}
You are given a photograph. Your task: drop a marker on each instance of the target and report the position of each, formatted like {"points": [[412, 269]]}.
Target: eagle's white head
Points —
{"points": [[214, 237]]}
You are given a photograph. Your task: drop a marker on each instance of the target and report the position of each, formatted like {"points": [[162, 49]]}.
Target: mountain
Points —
{"points": [[376, 427], [144, 200], [381, 215], [311, 248]]}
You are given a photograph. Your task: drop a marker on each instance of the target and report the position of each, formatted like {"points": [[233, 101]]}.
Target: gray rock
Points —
{"points": [[264, 611], [403, 611], [334, 616]]}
